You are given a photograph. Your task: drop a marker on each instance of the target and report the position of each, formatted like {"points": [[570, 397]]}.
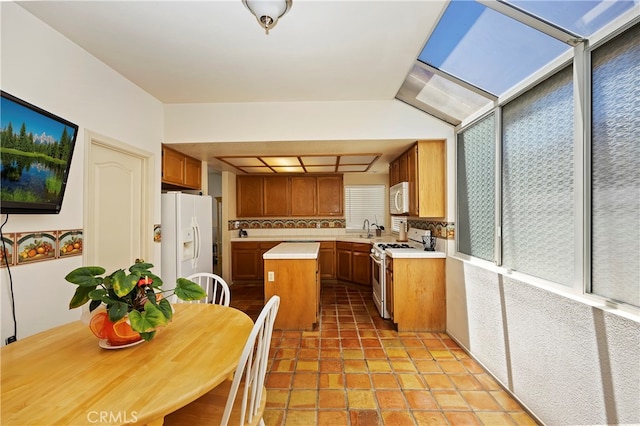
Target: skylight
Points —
{"points": [[581, 17], [487, 49], [481, 49]]}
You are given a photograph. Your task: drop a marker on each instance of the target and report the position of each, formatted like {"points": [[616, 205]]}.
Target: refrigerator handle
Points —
{"points": [[198, 241]]}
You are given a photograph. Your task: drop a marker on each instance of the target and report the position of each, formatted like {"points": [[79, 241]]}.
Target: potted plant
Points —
{"points": [[127, 307]]}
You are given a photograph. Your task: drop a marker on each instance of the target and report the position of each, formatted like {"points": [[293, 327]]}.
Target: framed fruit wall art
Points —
{"points": [[70, 243], [6, 250], [36, 246]]}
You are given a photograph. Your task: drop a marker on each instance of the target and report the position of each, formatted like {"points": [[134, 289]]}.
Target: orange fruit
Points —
{"points": [[31, 253], [97, 324]]}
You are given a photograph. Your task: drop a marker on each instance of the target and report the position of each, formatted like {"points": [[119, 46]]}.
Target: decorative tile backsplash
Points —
{"points": [[287, 223], [27, 247], [439, 229]]}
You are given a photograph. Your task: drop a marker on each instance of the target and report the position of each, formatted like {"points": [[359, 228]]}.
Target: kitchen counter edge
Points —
{"points": [[318, 238]]}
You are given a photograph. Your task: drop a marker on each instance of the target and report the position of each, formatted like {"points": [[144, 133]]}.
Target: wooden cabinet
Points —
{"points": [[277, 196], [416, 297], [327, 260], [249, 195], [343, 261], [297, 282], [286, 196], [353, 262], [361, 264], [424, 167], [303, 196], [246, 259], [180, 171], [330, 195]]}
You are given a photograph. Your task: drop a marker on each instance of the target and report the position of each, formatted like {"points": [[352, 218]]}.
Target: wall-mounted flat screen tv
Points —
{"points": [[36, 147]]}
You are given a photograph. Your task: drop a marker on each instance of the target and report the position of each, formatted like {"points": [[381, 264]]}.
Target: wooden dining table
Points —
{"points": [[63, 377]]}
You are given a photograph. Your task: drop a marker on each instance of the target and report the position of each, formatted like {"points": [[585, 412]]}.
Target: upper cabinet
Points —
{"points": [[304, 199], [424, 167], [180, 171], [249, 196], [285, 196], [330, 195]]}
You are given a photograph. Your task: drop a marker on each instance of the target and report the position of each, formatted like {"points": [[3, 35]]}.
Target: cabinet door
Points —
{"points": [[327, 260], [173, 165], [303, 196], [361, 267], [394, 172], [402, 168], [249, 193], [330, 195], [432, 178], [192, 173], [277, 196], [245, 261], [412, 178], [343, 261]]}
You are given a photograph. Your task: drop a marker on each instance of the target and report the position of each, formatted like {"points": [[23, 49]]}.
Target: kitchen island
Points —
{"points": [[291, 271]]}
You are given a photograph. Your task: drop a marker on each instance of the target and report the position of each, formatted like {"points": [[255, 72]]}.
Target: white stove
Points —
{"points": [[413, 247]]}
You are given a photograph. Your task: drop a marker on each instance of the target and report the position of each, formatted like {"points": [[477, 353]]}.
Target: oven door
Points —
{"points": [[377, 282]]}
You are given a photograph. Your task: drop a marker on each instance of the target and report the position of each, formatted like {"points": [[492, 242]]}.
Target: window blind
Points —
{"points": [[364, 202]]}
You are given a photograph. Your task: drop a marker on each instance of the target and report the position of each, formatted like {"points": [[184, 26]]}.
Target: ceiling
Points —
{"points": [[215, 51]]}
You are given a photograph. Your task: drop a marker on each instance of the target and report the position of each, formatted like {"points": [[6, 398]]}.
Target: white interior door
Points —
{"points": [[118, 203]]}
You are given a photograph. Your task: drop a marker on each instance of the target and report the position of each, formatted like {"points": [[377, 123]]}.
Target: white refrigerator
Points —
{"points": [[187, 245]]}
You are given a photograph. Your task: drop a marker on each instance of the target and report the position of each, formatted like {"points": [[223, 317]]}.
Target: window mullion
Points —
{"points": [[580, 138], [498, 189]]}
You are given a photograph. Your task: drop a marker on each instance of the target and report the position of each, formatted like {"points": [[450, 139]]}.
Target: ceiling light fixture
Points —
{"points": [[267, 12]]}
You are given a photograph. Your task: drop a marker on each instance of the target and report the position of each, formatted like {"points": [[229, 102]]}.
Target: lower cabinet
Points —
{"points": [[327, 260], [246, 259], [297, 282], [416, 296], [353, 263], [361, 264], [342, 260]]}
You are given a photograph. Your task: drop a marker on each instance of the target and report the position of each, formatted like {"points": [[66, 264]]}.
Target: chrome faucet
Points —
{"points": [[366, 226]]}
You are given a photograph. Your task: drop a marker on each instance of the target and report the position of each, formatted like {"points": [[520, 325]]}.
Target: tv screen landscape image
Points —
{"points": [[36, 148]]}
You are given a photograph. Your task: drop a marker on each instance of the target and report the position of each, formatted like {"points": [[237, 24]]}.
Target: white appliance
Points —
{"points": [[187, 236], [399, 198], [413, 247]]}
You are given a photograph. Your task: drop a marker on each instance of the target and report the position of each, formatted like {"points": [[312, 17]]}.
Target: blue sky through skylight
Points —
{"points": [[487, 49], [583, 17]]}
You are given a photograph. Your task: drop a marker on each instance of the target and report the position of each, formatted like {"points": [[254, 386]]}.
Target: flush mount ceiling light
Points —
{"points": [[267, 12]]}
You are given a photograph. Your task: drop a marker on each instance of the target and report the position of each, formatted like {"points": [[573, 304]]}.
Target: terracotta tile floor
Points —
{"points": [[355, 369]]}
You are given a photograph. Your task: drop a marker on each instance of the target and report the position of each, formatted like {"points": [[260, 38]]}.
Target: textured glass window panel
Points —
{"points": [[538, 181], [580, 17], [486, 48], [615, 173], [476, 189]]}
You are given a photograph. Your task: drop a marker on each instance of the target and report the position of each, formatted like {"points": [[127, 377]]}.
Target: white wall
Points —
{"points": [[42, 67], [570, 363], [300, 121]]}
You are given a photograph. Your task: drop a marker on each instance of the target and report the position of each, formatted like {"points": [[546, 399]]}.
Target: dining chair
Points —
{"points": [[217, 288], [224, 405]]}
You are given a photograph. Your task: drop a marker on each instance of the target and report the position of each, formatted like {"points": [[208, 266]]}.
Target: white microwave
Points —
{"points": [[399, 198]]}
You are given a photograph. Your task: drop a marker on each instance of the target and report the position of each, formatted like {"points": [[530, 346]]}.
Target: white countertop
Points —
{"points": [[293, 251], [354, 238]]}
